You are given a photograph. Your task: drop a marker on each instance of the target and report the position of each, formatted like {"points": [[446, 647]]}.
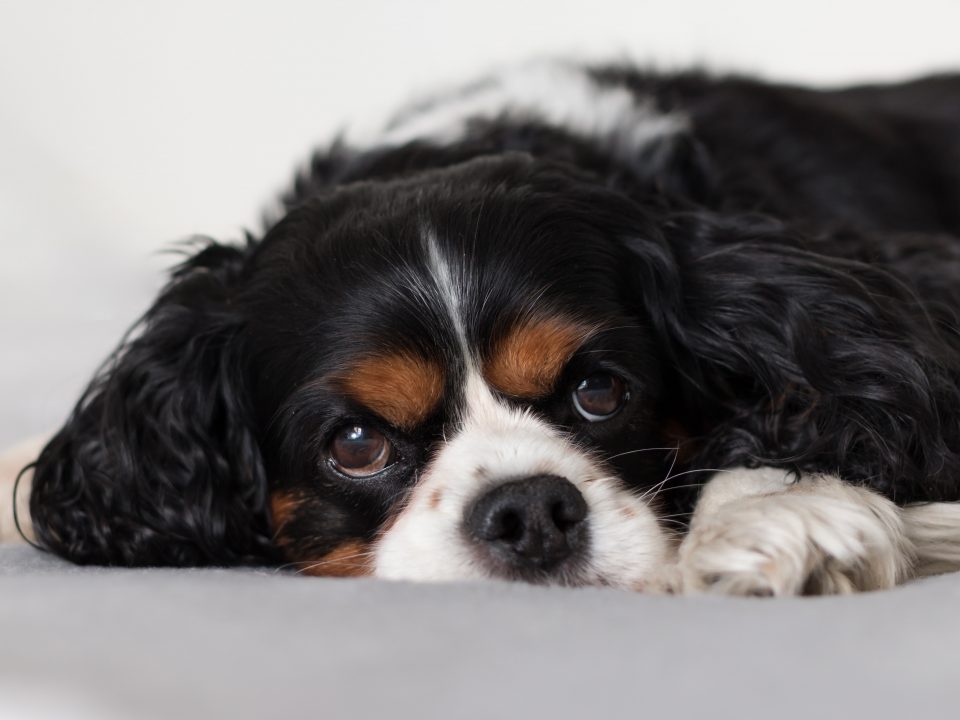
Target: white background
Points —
{"points": [[126, 126]]}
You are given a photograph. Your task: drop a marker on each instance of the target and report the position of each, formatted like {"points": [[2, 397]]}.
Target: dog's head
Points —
{"points": [[452, 380], [469, 372], [444, 376]]}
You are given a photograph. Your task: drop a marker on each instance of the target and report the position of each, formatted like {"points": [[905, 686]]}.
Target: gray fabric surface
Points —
{"points": [[259, 644]]}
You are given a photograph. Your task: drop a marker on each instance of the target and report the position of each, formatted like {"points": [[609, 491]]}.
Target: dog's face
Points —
{"points": [[468, 373], [452, 381]]}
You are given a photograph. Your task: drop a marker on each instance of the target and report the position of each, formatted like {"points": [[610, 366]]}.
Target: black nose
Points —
{"points": [[531, 524]]}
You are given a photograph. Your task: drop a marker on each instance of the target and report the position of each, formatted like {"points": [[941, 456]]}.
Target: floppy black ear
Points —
{"points": [[158, 463], [808, 353]]}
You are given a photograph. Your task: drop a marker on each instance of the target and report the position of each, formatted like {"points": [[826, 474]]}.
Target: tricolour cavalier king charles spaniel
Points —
{"points": [[566, 325]]}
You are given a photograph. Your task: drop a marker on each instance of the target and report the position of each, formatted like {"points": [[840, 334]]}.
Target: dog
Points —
{"points": [[568, 325]]}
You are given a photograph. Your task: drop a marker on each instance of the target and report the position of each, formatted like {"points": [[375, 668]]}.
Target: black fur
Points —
{"points": [[158, 463], [784, 279]]}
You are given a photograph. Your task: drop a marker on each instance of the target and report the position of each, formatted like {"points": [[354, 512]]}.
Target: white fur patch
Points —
{"points": [[934, 530], [452, 288], [559, 94], [758, 535], [495, 444]]}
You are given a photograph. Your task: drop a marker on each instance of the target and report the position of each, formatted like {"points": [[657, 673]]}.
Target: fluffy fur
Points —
{"points": [[772, 273]]}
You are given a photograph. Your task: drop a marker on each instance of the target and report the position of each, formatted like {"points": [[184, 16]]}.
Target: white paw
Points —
{"points": [[817, 537]]}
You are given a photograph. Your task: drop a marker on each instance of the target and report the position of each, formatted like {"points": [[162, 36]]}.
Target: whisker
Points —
{"points": [[682, 487], [687, 472], [632, 452], [660, 485], [671, 487], [331, 561]]}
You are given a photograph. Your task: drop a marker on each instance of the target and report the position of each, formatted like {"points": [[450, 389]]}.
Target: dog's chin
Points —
{"points": [[645, 577]]}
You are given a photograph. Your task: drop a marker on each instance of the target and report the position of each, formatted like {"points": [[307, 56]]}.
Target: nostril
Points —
{"points": [[507, 525], [564, 516]]}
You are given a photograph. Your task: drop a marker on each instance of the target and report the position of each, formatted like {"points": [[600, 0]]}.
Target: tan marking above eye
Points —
{"points": [[528, 360], [402, 388]]}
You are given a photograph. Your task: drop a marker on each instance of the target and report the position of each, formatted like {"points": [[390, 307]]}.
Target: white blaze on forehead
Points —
{"points": [[452, 288], [558, 94]]}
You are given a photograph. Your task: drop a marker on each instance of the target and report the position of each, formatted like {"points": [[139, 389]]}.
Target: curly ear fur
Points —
{"points": [[158, 463], [812, 354]]}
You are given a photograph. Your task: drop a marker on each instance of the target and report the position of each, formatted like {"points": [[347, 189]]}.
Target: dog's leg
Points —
{"points": [[754, 532], [11, 462]]}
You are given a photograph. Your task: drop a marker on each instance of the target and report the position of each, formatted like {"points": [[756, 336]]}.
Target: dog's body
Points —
{"points": [[514, 334]]}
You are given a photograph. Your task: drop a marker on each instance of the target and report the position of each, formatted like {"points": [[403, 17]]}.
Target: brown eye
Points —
{"points": [[360, 451], [600, 396]]}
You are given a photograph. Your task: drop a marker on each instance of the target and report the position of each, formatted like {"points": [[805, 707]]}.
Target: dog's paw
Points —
{"points": [[818, 537]]}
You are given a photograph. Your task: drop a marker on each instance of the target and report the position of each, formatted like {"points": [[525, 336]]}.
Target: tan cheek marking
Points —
{"points": [[352, 559], [401, 388], [282, 507], [527, 362]]}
